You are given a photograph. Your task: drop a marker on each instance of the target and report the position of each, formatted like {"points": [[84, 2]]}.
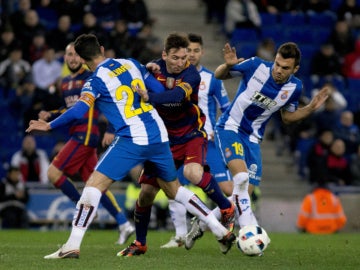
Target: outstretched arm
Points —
{"points": [[301, 113], [230, 57], [76, 112]]}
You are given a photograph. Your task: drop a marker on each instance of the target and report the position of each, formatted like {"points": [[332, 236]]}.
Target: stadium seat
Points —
{"points": [[324, 19], [244, 35], [294, 19], [269, 19]]}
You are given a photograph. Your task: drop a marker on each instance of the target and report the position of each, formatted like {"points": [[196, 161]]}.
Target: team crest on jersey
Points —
{"points": [[263, 101], [228, 152], [170, 82], [284, 95], [202, 86]]}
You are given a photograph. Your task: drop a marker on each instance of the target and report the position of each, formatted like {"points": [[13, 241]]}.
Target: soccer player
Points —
{"points": [[266, 87], [212, 96], [184, 121], [79, 153], [140, 135]]}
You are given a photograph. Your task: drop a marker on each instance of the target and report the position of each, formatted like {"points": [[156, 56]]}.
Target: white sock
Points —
{"points": [[85, 212], [196, 207], [217, 213], [242, 200], [178, 217]]}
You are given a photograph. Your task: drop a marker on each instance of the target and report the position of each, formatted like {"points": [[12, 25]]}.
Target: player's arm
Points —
{"points": [[222, 72], [301, 113], [76, 112]]}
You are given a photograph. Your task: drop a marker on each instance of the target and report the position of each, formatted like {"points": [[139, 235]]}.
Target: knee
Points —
{"points": [[193, 172], [147, 195]]}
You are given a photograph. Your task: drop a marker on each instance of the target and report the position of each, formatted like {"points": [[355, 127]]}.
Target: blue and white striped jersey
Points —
{"points": [[112, 85], [257, 98], [212, 94]]}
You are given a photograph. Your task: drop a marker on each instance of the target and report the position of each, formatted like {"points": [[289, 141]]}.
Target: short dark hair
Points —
{"points": [[87, 46], [195, 38], [175, 41], [290, 50]]}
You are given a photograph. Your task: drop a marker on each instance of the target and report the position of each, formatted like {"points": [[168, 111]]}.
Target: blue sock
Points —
{"points": [[68, 188], [212, 189], [142, 220], [110, 204]]}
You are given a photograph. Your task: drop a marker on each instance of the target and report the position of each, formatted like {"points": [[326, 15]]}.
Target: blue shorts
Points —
{"points": [[235, 145], [122, 155], [217, 167]]}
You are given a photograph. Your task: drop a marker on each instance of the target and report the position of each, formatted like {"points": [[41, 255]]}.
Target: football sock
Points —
{"points": [[85, 212], [212, 189], [241, 199], [178, 217], [142, 219], [109, 202], [68, 188], [196, 207]]}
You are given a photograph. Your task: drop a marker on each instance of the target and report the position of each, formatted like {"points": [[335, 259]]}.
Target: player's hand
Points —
{"points": [[107, 139], [39, 125], [143, 94], [230, 56], [152, 67], [319, 99], [44, 115]]}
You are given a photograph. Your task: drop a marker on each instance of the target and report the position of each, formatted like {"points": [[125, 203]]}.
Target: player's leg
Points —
{"points": [[67, 162], [199, 174], [85, 212], [142, 213]]}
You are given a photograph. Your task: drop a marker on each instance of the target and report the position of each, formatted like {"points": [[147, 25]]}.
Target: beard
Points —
{"points": [[75, 69]]}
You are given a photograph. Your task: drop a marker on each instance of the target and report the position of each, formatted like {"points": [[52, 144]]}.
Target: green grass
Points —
{"points": [[24, 250]]}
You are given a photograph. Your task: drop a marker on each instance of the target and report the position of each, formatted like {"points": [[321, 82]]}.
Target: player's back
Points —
{"points": [[113, 85]]}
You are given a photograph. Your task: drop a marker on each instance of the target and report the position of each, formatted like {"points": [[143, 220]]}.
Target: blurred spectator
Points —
{"points": [[13, 199], [17, 17], [301, 137], [321, 211], [74, 8], [31, 27], [349, 11], [241, 14], [317, 155], [355, 166], [60, 36], [13, 70], [32, 162], [348, 132], [91, 26], [46, 10], [338, 167], [277, 7], [215, 11], [325, 64], [7, 42], [266, 49], [342, 38], [351, 64], [317, 6], [135, 13], [106, 12], [119, 39], [149, 45], [328, 116], [47, 71], [37, 47]]}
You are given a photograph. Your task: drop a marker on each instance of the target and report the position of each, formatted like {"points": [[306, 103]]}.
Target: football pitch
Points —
{"points": [[25, 249]]}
